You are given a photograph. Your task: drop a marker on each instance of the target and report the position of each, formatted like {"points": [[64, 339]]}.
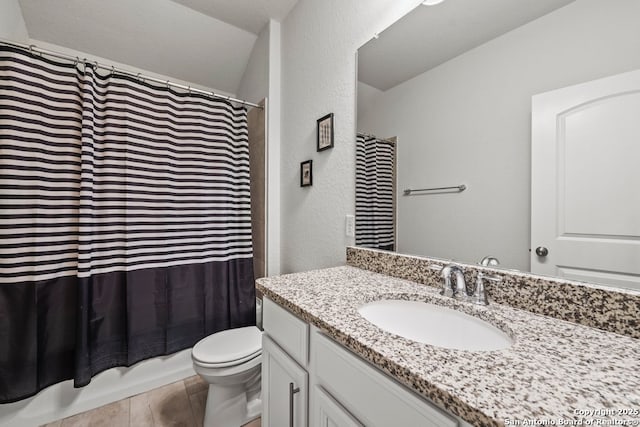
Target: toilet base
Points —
{"points": [[231, 406]]}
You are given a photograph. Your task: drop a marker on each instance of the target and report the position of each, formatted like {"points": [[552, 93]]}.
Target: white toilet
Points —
{"points": [[230, 362]]}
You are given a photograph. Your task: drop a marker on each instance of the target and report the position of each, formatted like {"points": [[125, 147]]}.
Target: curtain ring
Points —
{"points": [[189, 90], [167, 84], [76, 62], [96, 64], [34, 53], [113, 70]]}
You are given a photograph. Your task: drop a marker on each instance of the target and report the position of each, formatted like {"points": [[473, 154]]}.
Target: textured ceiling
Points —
{"points": [[161, 36], [430, 36], [250, 15]]}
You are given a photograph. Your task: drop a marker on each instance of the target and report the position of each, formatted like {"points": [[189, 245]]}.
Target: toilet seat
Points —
{"points": [[245, 361], [228, 348]]}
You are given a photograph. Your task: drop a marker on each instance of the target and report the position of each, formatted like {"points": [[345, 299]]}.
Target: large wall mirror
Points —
{"points": [[529, 111]]}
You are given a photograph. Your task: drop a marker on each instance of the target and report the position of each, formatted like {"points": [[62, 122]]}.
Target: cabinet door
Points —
{"points": [[284, 388], [326, 412]]}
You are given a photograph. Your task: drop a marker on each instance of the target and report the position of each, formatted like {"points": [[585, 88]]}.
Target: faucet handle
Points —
{"points": [[489, 261], [480, 295]]}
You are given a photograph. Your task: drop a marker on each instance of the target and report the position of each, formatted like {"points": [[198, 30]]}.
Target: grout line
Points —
{"points": [[148, 403], [193, 413], [129, 403]]}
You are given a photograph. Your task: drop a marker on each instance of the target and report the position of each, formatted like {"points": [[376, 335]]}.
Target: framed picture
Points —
{"points": [[325, 132], [306, 173]]}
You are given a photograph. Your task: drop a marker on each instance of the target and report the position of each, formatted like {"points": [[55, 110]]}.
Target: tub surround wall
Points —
{"points": [[553, 368], [610, 309]]}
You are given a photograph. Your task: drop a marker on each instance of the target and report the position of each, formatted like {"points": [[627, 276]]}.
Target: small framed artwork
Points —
{"points": [[325, 132], [306, 173]]}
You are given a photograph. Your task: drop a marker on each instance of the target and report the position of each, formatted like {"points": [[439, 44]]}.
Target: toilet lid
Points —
{"points": [[232, 345]]}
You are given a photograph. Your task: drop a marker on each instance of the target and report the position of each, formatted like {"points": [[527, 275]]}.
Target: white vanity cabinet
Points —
{"points": [[336, 387], [285, 381]]}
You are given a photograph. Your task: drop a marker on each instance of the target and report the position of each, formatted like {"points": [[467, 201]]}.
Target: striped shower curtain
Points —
{"points": [[375, 192], [125, 229]]}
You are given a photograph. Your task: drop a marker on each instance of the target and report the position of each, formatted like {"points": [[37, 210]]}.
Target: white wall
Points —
{"points": [[12, 26], [162, 36], [468, 121], [108, 62], [319, 42], [367, 98], [274, 142], [254, 85]]}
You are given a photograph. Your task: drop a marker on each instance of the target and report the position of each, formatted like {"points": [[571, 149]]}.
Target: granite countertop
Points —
{"points": [[555, 371]]}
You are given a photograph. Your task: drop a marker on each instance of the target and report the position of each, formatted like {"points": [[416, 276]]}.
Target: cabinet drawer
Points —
{"points": [[374, 398], [289, 332]]}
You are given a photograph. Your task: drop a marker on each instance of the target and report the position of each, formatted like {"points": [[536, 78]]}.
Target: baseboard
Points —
{"points": [[62, 400]]}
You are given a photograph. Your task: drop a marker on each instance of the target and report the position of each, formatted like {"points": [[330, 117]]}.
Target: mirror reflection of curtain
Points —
{"points": [[375, 192]]}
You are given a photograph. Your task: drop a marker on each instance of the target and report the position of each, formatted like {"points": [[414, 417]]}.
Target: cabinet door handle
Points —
{"points": [[292, 391]]}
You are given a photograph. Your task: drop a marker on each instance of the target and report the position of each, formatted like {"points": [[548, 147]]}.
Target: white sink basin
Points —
{"points": [[435, 325]]}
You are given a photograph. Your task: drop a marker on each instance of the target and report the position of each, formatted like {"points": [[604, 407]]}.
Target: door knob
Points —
{"points": [[542, 251]]}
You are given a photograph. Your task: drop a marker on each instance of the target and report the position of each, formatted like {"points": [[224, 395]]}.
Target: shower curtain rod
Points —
{"points": [[33, 48], [370, 135]]}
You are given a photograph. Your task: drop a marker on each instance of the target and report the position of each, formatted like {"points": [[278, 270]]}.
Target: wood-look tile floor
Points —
{"points": [[180, 404]]}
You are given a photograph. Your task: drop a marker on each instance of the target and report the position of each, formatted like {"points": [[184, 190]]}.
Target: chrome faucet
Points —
{"points": [[460, 288], [459, 291]]}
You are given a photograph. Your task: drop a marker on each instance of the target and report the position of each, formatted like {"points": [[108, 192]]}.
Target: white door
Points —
{"points": [[284, 388], [585, 205]]}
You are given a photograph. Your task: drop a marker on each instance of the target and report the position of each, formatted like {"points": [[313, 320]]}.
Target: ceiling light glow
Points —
{"points": [[431, 2]]}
